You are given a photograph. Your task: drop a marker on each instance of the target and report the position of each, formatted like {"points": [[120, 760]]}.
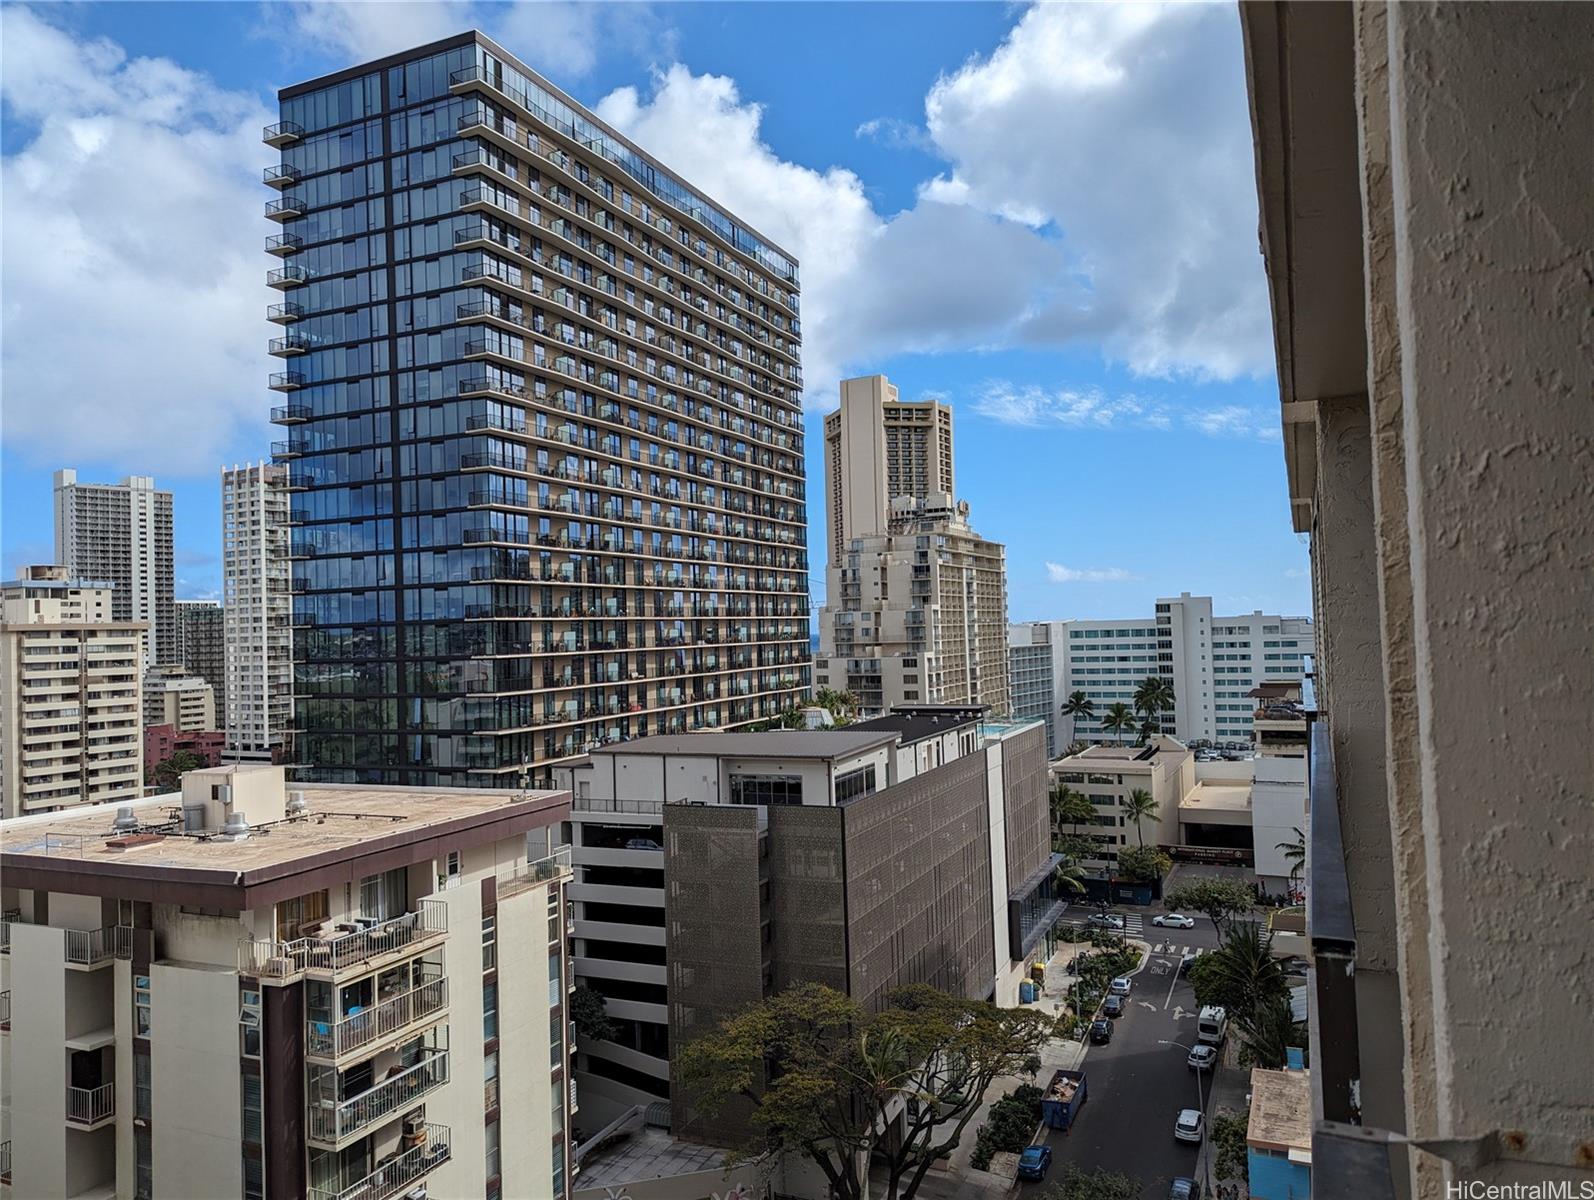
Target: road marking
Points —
{"points": [[1179, 1014], [1147, 1004], [1171, 984]]}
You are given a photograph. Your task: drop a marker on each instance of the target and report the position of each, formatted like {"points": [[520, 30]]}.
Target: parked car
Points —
{"points": [[1106, 920], [1119, 986], [643, 844], [1187, 961], [1113, 1006], [1293, 965], [1100, 1031], [1202, 1058], [1189, 1125], [1174, 920], [1212, 1025], [1184, 1188], [1033, 1162]]}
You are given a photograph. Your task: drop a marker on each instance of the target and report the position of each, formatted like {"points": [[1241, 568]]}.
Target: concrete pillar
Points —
{"points": [[1491, 119], [1388, 449]]}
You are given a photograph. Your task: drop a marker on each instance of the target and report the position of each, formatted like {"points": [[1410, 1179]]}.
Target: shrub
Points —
{"points": [[1008, 1126]]}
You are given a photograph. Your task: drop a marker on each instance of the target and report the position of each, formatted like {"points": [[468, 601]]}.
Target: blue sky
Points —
{"points": [[1045, 217]]}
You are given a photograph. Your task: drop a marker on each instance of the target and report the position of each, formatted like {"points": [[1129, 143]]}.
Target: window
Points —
{"points": [[141, 1005], [294, 915], [766, 789], [143, 1163], [556, 976], [489, 942], [490, 1089], [494, 1167], [253, 1119], [249, 1024], [855, 783], [489, 1011], [384, 896], [451, 874]]}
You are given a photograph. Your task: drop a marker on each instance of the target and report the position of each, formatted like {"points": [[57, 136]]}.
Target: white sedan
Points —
{"points": [[1189, 1125], [1174, 920]]}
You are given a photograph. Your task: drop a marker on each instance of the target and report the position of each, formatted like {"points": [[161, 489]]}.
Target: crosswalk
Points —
{"points": [[1172, 948], [1134, 925]]}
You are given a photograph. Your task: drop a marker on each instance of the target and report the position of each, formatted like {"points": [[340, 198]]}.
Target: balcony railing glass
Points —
{"points": [[535, 873]]}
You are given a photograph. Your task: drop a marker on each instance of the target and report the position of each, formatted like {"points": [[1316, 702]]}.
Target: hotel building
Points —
{"points": [[256, 580]]}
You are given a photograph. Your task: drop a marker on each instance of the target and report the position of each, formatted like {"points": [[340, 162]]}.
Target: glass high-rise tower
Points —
{"points": [[542, 410]]}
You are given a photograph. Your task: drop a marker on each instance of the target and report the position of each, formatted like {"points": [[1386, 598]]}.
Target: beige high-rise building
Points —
{"points": [[174, 697], [327, 994], [917, 614], [70, 674], [878, 448], [256, 582], [121, 533]]}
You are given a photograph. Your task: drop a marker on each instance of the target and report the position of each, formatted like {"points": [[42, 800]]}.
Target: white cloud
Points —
{"points": [[1091, 408], [559, 37], [1125, 128], [130, 255], [1297, 573], [895, 133], [1058, 573]]}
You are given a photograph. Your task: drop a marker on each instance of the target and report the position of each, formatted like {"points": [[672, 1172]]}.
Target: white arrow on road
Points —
{"points": [[1147, 1004], [1179, 1014]]}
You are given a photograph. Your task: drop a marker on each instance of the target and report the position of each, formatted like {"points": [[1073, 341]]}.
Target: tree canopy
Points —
{"points": [[1220, 899], [822, 1076]]}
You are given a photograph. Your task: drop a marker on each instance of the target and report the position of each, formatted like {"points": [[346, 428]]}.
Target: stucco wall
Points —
{"points": [[196, 1106]]}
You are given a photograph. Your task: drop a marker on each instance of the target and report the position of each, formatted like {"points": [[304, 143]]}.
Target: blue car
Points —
{"points": [[1033, 1162], [1184, 1189]]}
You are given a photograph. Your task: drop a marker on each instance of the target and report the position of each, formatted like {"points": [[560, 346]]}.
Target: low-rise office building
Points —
{"points": [[713, 869], [341, 993]]}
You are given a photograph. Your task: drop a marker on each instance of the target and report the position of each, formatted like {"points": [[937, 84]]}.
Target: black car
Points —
{"points": [[1113, 1006], [1186, 962], [1100, 1031]]}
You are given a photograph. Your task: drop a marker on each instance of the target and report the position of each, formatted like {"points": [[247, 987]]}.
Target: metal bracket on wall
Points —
{"points": [[1481, 1150]]}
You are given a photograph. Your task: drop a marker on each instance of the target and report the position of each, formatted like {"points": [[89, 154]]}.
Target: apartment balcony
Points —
{"points": [[286, 209], [91, 1108], [535, 873], [362, 1032], [285, 313], [87, 949], [292, 448], [281, 176], [5, 1163], [284, 278], [286, 381], [331, 1124], [348, 949], [288, 347], [284, 244], [425, 1150], [283, 133], [5, 1011]]}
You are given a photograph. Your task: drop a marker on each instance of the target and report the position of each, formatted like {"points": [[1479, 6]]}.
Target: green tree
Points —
{"points": [[840, 705], [1141, 807], [1079, 707], [1075, 1183], [1070, 879], [1143, 864], [1294, 854], [168, 773], [1153, 695], [1241, 974], [1120, 719], [1219, 899], [820, 1074], [1267, 1033], [1069, 808], [1230, 1159], [590, 1013]]}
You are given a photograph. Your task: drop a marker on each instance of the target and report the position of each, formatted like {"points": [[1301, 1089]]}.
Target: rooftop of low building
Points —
{"points": [[1281, 1111], [915, 722], [1125, 754], [1214, 795]]}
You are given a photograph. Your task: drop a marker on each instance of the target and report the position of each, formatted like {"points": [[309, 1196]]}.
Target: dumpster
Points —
{"points": [[1063, 1098]]}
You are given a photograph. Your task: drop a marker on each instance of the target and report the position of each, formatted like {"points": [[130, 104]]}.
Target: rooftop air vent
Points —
{"points": [[237, 827], [126, 820], [298, 805]]}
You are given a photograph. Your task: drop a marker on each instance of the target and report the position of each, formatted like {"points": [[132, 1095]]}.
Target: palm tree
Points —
{"points": [[1249, 974], [1070, 808], [1270, 1031], [1079, 707], [1294, 854], [1070, 879], [1153, 695], [1141, 807], [1119, 718]]}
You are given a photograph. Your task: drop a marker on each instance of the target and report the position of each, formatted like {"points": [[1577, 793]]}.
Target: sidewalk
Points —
{"points": [[960, 1179], [1230, 1087]]}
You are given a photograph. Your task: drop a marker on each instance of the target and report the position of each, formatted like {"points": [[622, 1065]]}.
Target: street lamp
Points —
{"points": [[1200, 1105]]}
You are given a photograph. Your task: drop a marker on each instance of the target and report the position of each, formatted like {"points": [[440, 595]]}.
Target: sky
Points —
{"points": [[1044, 216]]}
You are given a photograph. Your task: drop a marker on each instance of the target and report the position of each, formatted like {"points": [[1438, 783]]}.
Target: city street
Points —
{"points": [[1135, 1086]]}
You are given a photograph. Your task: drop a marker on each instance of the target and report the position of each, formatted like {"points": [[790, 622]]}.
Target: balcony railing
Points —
{"points": [[291, 414], [286, 381], [334, 1040], [287, 347], [122, 941], [285, 313], [282, 176], [285, 209], [282, 133], [90, 1106], [332, 1122], [89, 947], [287, 277], [5, 1162], [268, 959], [284, 244], [535, 873], [399, 1174], [5, 1009]]}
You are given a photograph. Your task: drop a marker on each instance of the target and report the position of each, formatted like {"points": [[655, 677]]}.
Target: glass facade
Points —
{"points": [[544, 434]]}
